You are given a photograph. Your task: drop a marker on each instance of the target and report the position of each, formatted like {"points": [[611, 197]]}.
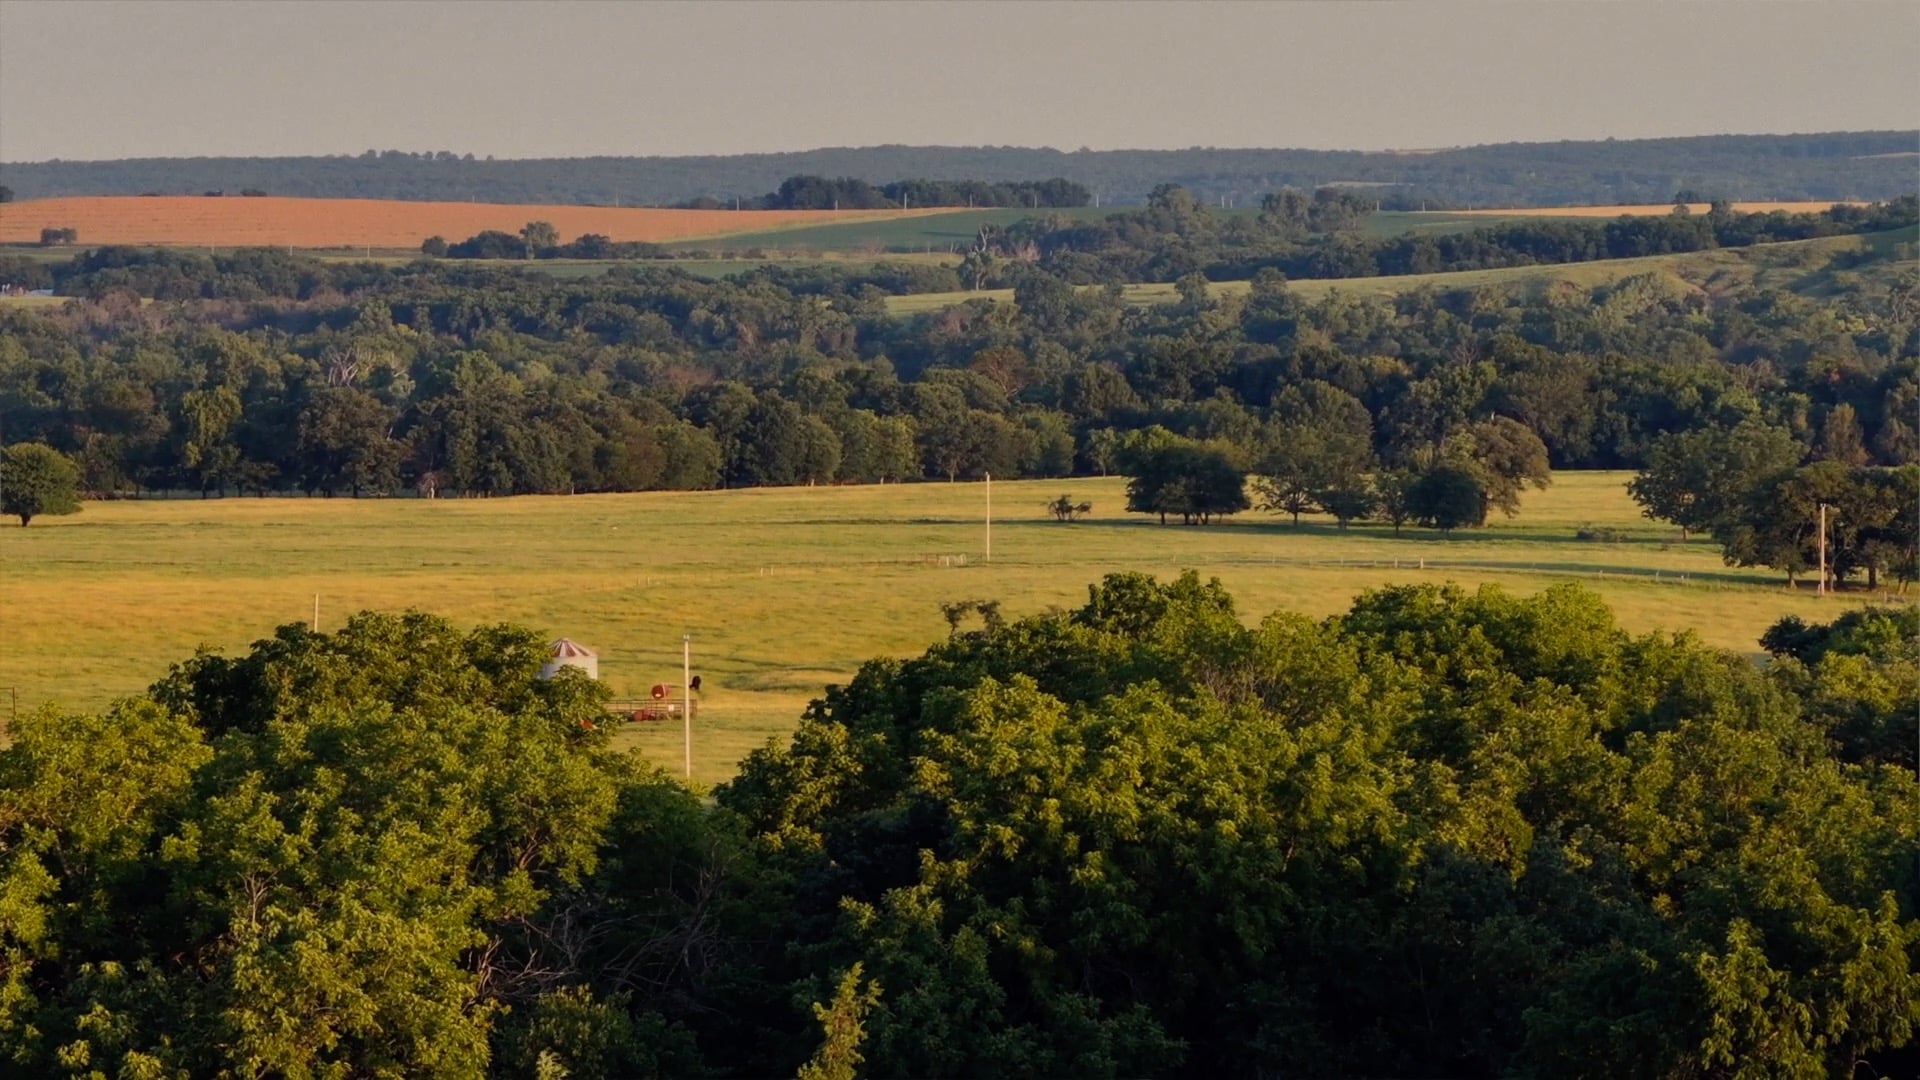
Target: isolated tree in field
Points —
{"points": [[6, 194], [1065, 509], [36, 479], [1196, 481], [434, 247]]}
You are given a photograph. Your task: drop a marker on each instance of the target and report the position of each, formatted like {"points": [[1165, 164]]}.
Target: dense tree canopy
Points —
{"points": [[1443, 833], [259, 371]]}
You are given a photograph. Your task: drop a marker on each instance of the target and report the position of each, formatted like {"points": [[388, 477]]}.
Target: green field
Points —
{"points": [[783, 590]]}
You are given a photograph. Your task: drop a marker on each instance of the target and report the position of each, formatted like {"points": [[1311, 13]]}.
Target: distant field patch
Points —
{"points": [[203, 221], [1649, 209]]}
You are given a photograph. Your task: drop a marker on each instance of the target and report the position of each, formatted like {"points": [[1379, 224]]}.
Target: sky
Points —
{"points": [[107, 79]]}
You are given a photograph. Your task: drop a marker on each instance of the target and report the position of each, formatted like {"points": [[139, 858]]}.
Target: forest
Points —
{"points": [[1318, 236], [1862, 165], [850, 193], [1445, 833], [260, 372]]}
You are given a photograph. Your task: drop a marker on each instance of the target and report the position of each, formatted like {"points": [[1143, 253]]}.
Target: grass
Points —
{"points": [[783, 590]]}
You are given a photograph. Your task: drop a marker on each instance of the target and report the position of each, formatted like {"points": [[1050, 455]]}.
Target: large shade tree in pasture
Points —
{"points": [[36, 480]]}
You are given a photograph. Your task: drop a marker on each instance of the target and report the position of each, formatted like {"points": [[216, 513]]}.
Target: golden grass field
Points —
{"points": [[268, 221], [783, 590]]}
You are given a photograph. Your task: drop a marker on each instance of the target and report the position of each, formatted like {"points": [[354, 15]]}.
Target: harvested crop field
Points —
{"points": [[1648, 209], [202, 221]]}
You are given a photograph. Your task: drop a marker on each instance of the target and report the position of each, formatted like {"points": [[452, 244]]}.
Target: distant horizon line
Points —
{"points": [[464, 156]]}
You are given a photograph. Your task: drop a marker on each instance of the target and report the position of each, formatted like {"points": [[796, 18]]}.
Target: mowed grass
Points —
{"points": [[783, 590]]}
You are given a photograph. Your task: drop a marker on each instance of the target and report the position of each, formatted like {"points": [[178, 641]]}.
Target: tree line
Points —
{"points": [[1832, 165], [261, 371], [1319, 236], [851, 193], [1297, 235], [1442, 833], [1746, 485]]}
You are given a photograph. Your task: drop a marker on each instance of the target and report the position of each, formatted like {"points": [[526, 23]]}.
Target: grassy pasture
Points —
{"points": [[784, 590]]}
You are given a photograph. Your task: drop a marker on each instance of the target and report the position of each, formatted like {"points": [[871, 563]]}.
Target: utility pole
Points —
{"points": [[686, 697], [316, 613], [989, 517]]}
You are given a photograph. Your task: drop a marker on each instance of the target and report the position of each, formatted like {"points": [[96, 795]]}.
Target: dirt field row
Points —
{"points": [[201, 221]]}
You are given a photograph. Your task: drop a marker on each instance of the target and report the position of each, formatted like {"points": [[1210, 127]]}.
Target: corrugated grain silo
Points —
{"points": [[569, 653]]}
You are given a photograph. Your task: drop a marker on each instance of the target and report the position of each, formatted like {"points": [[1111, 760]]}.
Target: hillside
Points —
{"points": [[1833, 165], [1804, 266]]}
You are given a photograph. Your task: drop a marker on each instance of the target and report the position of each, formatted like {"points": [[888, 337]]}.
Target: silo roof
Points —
{"points": [[567, 648]]}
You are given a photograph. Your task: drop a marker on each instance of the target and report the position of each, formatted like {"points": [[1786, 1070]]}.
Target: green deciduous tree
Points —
{"points": [[1698, 479], [1447, 498], [539, 236], [1506, 455], [37, 480], [345, 440], [1195, 481]]}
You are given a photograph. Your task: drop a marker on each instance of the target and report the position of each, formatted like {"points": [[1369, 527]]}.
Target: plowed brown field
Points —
{"points": [[1647, 209], [202, 221]]}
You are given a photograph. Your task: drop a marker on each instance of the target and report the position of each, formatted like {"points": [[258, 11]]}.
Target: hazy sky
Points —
{"points": [[102, 79]]}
